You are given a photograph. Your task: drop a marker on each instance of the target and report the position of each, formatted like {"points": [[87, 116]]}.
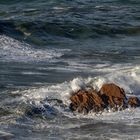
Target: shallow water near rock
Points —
{"points": [[48, 49]]}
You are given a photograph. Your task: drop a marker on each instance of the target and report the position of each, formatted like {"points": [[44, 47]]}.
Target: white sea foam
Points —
{"points": [[77, 84], [5, 135], [13, 50], [127, 78], [85, 66]]}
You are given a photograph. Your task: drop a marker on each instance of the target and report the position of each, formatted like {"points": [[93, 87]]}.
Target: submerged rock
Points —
{"points": [[44, 111]]}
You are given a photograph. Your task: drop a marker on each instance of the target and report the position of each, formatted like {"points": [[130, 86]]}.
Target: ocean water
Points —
{"points": [[48, 49]]}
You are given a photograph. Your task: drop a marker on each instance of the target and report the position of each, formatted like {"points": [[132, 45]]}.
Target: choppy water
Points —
{"points": [[50, 48]]}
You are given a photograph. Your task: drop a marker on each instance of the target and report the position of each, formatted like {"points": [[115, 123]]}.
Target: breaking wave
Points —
{"points": [[53, 100], [14, 50]]}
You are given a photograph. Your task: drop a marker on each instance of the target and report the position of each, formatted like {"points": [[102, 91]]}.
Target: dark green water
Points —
{"points": [[48, 48]]}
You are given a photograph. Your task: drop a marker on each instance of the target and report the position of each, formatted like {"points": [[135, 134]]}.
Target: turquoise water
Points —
{"points": [[49, 48]]}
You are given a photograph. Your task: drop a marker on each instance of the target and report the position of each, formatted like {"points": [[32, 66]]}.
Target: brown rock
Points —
{"points": [[112, 95], [134, 102], [85, 101]]}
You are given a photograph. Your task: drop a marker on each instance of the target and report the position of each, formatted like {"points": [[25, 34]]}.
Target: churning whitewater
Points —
{"points": [[51, 49]]}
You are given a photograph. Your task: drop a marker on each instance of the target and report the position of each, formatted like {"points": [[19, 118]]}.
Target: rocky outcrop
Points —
{"points": [[109, 96], [113, 96], [134, 102], [85, 101]]}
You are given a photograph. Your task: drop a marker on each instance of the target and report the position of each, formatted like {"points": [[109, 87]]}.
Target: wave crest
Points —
{"points": [[14, 50]]}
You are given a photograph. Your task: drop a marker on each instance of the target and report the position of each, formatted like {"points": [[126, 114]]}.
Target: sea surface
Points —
{"points": [[50, 48]]}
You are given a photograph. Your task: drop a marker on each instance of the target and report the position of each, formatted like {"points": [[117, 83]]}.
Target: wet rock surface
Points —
{"points": [[109, 96], [134, 101]]}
